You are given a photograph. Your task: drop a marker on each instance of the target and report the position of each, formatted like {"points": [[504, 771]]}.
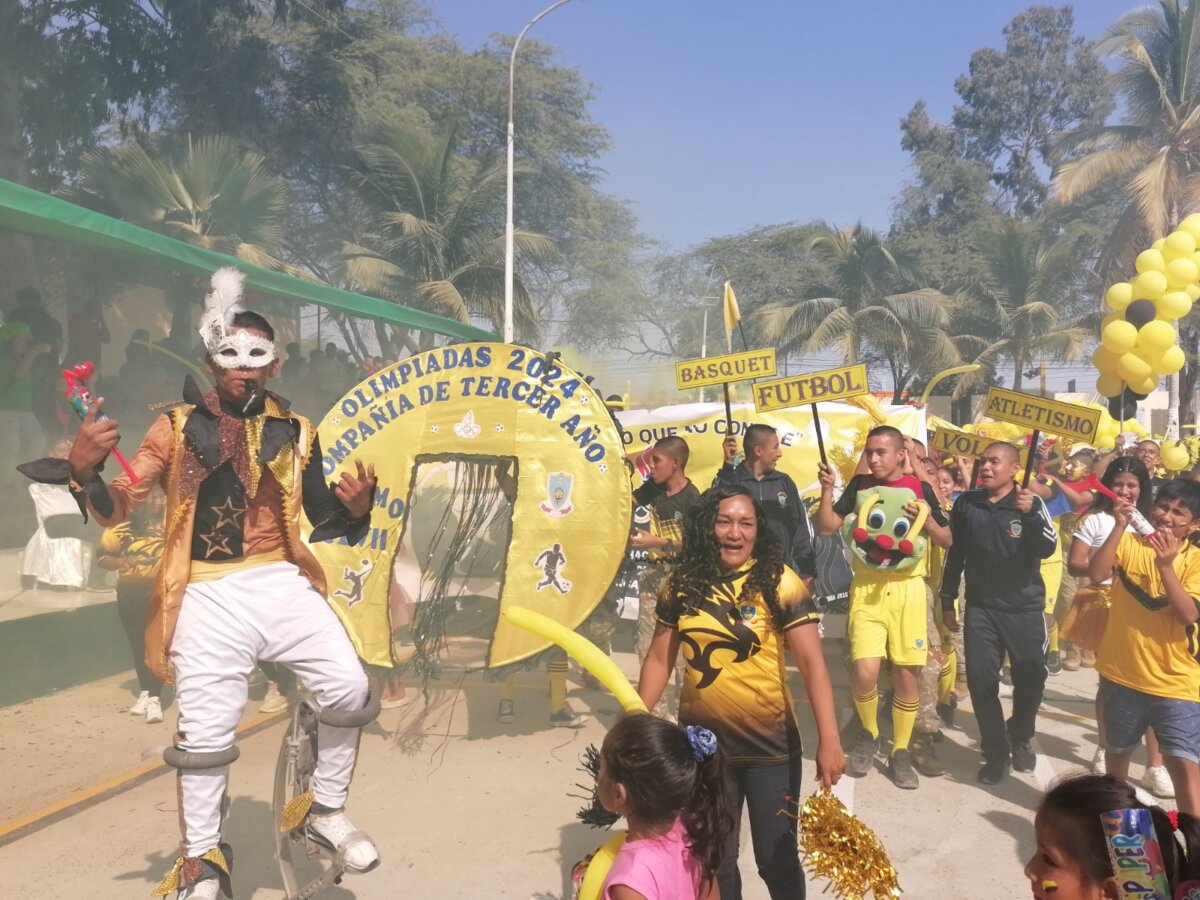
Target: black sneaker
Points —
{"points": [[945, 711], [506, 713], [1023, 757], [1054, 662], [993, 771], [900, 769], [568, 718], [861, 755]]}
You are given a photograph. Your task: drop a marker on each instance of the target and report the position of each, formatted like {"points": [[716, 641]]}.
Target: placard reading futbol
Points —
{"points": [[963, 443], [813, 387], [1040, 414], [696, 373]]}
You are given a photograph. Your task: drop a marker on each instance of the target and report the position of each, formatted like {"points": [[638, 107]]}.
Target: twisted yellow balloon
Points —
{"points": [[583, 651], [606, 672], [947, 373]]}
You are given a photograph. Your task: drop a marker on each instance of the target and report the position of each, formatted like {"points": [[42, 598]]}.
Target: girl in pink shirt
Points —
{"points": [[669, 784]]}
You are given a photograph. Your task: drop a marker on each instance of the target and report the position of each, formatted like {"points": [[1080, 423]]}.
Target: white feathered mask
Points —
{"points": [[228, 348]]}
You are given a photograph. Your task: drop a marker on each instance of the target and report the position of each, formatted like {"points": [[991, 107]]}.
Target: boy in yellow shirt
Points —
{"points": [[887, 617], [1149, 673]]}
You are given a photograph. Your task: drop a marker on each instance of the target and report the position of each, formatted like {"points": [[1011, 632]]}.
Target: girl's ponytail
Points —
{"points": [[707, 817], [1188, 831]]}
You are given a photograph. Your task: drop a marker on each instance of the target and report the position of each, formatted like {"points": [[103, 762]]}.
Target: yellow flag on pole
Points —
{"points": [[733, 315]]}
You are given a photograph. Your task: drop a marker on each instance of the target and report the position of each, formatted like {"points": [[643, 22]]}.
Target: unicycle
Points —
{"points": [[295, 849]]}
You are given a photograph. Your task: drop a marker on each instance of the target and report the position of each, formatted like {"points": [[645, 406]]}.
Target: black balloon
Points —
{"points": [[1123, 406], [1139, 312]]}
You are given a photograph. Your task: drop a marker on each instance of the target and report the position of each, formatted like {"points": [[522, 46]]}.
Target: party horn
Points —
{"points": [[79, 395]]}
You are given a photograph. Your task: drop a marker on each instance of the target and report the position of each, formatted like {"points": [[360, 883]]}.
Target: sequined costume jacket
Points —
{"points": [[276, 473]]}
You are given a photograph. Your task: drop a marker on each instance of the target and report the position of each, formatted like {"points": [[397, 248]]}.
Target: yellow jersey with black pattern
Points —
{"points": [[735, 683], [1145, 647]]}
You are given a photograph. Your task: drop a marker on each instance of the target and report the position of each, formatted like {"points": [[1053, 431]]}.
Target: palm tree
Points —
{"points": [[211, 195], [1155, 152], [436, 232], [862, 310], [1015, 311]]}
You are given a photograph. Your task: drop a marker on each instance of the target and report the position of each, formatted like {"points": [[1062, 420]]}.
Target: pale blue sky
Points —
{"points": [[728, 115]]}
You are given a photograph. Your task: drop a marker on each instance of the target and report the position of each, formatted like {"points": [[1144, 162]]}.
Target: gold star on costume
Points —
{"points": [[217, 543], [228, 514]]}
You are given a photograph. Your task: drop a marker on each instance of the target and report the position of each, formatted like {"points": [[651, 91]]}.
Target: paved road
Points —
{"points": [[460, 805]]}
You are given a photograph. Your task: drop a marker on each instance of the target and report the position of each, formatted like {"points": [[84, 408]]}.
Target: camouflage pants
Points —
{"points": [[927, 680], [650, 582]]}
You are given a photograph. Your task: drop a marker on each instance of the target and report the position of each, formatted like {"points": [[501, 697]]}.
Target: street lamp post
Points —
{"points": [[508, 222]]}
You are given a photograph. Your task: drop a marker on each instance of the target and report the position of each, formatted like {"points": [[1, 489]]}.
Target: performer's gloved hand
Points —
{"points": [[93, 442], [356, 493]]}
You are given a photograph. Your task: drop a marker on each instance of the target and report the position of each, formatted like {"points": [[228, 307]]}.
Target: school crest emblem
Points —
{"points": [[558, 495]]}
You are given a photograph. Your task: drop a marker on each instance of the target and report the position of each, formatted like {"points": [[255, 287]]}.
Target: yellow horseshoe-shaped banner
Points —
{"points": [[488, 403]]}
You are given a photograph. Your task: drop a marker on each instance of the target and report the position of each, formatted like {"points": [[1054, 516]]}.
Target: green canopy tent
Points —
{"points": [[31, 212]]}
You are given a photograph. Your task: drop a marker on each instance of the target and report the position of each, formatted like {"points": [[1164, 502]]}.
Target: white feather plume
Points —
{"points": [[221, 305]]}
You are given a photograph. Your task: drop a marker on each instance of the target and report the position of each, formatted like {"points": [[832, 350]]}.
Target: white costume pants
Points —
{"points": [[225, 626]]}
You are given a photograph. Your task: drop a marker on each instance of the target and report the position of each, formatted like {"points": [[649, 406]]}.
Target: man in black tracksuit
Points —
{"points": [[1001, 535], [775, 492]]}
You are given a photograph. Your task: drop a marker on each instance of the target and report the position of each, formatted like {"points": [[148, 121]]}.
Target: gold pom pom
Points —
{"points": [[840, 848]]}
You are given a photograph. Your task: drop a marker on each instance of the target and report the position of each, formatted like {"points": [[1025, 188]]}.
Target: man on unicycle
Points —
{"points": [[237, 584]]}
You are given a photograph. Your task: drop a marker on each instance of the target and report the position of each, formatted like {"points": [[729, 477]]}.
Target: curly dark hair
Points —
{"points": [[699, 566]]}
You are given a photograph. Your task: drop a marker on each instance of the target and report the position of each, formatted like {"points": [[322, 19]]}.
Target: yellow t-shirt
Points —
{"points": [[1145, 647], [144, 541], [734, 681]]}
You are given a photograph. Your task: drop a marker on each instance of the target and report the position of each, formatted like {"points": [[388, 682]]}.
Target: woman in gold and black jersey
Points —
{"points": [[732, 605]]}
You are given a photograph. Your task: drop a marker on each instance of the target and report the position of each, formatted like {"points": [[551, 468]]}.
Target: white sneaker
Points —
{"points": [[139, 705], [1099, 767], [274, 701], [1158, 782], [208, 889], [354, 847], [153, 711]]}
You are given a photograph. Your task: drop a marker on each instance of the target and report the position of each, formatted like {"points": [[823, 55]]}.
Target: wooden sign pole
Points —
{"points": [[820, 438], [1034, 440]]}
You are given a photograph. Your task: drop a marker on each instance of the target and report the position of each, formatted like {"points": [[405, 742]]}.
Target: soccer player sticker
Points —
{"points": [[491, 415]]}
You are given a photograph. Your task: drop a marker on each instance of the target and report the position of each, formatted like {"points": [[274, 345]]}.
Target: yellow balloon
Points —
{"points": [[598, 868], [1133, 425], [1191, 225], [1171, 361], [1178, 244], [1181, 272], [1193, 290], [1154, 337], [584, 652], [1119, 296], [1173, 305], [1119, 337], [1147, 385], [1158, 245], [1133, 368], [1150, 261], [1109, 384], [1175, 457], [1105, 361], [1149, 286]]}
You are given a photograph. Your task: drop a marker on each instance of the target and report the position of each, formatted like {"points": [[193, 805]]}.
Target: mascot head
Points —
{"points": [[880, 535]]}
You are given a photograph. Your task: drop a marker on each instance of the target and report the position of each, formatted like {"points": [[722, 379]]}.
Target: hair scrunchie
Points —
{"points": [[703, 742]]}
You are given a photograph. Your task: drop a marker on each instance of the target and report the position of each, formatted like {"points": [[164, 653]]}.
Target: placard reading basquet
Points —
{"points": [[696, 373], [813, 387], [1040, 414], [963, 443]]}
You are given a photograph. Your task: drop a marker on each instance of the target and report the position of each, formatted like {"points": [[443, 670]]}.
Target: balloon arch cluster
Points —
{"points": [[1138, 339]]}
